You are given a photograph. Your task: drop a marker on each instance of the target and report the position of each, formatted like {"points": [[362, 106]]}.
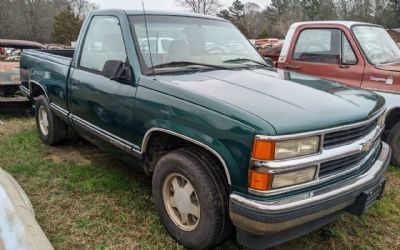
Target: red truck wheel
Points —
{"points": [[52, 130], [394, 141], [191, 198]]}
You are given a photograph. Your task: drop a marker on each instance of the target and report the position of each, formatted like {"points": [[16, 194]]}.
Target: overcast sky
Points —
{"points": [[157, 4]]}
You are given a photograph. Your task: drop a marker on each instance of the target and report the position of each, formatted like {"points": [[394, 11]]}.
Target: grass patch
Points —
{"points": [[84, 199]]}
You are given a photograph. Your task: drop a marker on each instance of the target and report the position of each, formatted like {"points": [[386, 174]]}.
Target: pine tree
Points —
{"points": [[262, 34], [224, 14], [66, 27], [237, 11], [395, 7]]}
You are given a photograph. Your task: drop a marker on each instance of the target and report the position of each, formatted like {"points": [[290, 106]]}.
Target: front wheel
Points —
{"points": [[191, 197], [52, 130], [393, 139]]}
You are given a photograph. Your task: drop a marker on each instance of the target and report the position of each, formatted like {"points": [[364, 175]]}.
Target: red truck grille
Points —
{"points": [[338, 138]]}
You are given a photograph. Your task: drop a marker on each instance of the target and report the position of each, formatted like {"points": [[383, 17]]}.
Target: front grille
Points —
{"points": [[346, 136], [330, 167]]}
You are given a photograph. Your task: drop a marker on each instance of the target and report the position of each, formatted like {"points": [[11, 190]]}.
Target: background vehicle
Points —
{"points": [[227, 138], [159, 45], [358, 54], [9, 68], [272, 52], [266, 43]]}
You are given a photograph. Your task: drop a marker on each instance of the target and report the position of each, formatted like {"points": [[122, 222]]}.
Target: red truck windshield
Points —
{"points": [[377, 45], [195, 40]]}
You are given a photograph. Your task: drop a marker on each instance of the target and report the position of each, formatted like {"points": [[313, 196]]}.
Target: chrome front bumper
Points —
{"points": [[263, 218]]}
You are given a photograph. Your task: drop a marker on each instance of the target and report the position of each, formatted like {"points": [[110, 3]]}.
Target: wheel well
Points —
{"points": [[36, 90], [160, 143], [392, 118]]}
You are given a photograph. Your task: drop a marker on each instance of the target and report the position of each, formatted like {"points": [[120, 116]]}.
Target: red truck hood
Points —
{"points": [[389, 67]]}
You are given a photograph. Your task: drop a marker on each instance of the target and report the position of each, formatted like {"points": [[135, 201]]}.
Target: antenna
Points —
{"points": [[148, 41]]}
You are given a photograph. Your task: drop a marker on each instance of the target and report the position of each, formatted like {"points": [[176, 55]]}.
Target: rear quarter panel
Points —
{"points": [[47, 70]]}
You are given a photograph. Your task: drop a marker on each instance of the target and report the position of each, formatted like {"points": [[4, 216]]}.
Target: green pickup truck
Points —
{"points": [[228, 140]]}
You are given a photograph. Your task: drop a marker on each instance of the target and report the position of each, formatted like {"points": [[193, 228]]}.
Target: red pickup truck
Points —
{"points": [[358, 54]]}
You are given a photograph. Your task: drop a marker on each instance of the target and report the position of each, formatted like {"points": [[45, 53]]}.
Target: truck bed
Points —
{"points": [[50, 68], [59, 52], [57, 56]]}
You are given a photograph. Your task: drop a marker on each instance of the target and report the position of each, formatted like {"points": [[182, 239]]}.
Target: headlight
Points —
{"points": [[295, 148], [260, 179], [293, 178], [270, 150], [381, 120]]}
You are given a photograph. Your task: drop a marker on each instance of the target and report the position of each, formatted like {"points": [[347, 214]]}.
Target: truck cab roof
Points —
{"points": [[348, 24], [157, 12]]}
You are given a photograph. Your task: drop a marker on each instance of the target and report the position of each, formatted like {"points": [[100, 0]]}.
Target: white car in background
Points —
{"points": [[158, 45]]}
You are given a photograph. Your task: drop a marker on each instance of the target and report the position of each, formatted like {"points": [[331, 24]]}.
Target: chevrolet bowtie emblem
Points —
{"points": [[367, 146]]}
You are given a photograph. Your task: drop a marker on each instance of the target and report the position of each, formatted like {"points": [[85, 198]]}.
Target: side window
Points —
{"points": [[318, 45], [103, 42], [348, 56]]}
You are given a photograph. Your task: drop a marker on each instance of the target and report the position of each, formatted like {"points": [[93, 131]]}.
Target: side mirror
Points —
{"points": [[118, 71], [269, 61]]}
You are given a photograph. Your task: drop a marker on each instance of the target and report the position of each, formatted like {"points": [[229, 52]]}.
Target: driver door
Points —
{"points": [[98, 104], [326, 53]]}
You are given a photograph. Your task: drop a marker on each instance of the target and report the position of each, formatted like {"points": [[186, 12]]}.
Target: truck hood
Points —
{"points": [[389, 67], [288, 101]]}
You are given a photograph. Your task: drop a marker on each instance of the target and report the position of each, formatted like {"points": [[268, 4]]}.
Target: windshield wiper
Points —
{"points": [[245, 60], [186, 63]]}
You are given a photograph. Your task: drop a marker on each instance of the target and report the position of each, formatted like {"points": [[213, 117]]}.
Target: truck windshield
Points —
{"points": [[378, 46], [177, 42]]}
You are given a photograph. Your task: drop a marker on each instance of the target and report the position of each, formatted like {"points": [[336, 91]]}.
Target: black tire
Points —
{"points": [[211, 189], [57, 129], [393, 139]]}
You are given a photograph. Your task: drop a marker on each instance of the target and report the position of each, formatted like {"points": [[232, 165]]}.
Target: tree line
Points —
{"points": [[46, 21], [59, 21], [274, 19]]}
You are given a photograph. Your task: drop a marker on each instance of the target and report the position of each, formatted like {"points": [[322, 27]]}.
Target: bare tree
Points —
{"points": [[4, 17], [207, 7], [82, 8], [34, 18], [252, 18], [344, 7]]}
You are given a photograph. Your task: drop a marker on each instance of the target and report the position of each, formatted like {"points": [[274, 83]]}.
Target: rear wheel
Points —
{"points": [[191, 197], [393, 139], [52, 130]]}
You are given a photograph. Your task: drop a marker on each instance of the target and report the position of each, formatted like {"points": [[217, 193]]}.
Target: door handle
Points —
{"points": [[344, 66], [75, 84], [287, 66]]}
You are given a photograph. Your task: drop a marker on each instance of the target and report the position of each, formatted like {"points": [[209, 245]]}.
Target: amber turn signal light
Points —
{"points": [[260, 180], [263, 150]]}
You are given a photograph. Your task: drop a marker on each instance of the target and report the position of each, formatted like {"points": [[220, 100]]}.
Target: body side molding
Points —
{"points": [[114, 140]]}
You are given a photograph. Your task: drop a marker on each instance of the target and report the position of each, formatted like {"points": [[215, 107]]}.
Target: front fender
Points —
{"points": [[228, 151]]}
